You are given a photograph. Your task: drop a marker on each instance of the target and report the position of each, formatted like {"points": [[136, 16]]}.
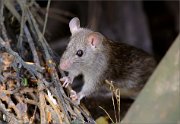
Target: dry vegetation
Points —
{"points": [[30, 90]]}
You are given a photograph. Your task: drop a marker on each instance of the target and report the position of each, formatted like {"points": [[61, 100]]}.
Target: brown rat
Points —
{"points": [[98, 59]]}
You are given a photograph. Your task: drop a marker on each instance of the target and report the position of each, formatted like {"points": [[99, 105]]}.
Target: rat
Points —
{"points": [[98, 59]]}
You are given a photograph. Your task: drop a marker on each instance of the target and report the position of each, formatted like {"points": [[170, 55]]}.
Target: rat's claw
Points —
{"points": [[76, 97], [73, 95], [66, 81]]}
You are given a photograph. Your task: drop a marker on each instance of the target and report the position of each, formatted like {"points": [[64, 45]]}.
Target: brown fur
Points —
{"points": [[128, 67]]}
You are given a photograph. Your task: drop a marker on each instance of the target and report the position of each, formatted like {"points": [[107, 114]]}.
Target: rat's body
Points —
{"points": [[98, 59]]}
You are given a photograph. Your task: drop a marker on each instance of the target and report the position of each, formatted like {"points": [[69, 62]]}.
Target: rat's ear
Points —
{"points": [[74, 25], [95, 39]]}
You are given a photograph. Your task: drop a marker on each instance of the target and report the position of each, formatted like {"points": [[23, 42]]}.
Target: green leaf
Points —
{"points": [[25, 81]]}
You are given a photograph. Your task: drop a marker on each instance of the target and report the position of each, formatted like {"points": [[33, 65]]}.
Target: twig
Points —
{"points": [[29, 31], [33, 96], [27, 90], [53, 13], [32, 118], [3, 29], [1, 78], [117, 95], [116, 92], [49, 62], [11, 104], [107, 114], [24, 115], [54, 75], [30, 68], [46, 17], [42, 104], [55, 108], [114, 106], [10, 117], [90, 120], [40, 83], [32, 46], [10, 7], [29, 101], [23, 20]]}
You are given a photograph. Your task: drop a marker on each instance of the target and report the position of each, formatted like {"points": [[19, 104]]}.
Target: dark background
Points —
{"points": [[149, 25]]}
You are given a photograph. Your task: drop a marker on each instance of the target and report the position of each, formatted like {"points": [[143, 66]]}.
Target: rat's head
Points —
{"points": [[83, 48]]}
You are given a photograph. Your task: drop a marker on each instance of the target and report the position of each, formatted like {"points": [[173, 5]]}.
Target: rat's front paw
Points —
{"points": [[75, 97], [66, 81]]}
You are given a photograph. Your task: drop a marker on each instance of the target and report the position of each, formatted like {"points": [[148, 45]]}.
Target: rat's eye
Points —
{"points": [[79, 53]]}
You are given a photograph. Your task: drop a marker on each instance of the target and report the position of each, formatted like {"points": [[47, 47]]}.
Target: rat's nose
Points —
{"points": [[64, 65]]}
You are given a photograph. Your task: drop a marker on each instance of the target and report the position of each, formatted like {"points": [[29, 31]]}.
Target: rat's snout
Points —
{"points": [[64, 65]]}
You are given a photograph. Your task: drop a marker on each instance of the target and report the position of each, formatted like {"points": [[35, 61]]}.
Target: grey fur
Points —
{"points": [[128, 67]]}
